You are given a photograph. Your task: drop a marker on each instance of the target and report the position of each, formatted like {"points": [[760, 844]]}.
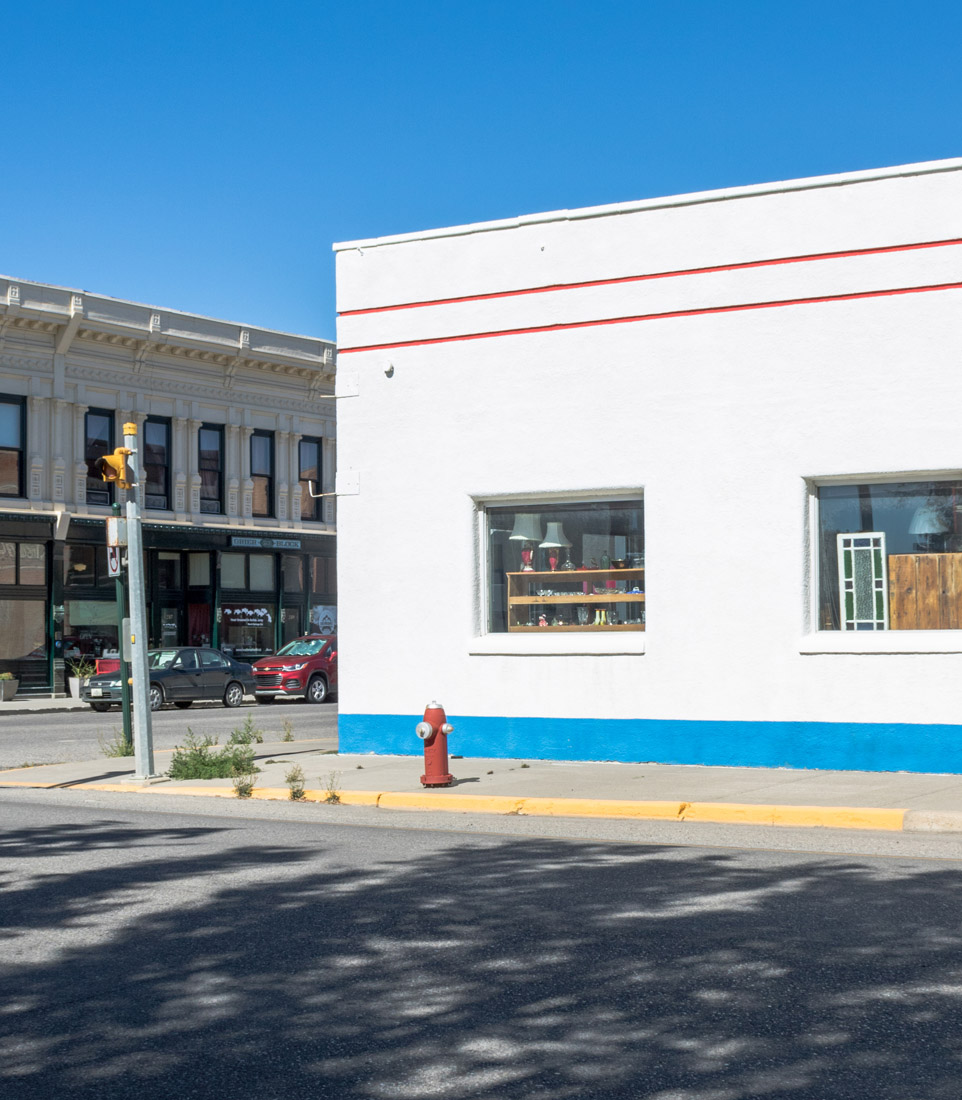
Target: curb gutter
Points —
{"points": [[740, 813]]}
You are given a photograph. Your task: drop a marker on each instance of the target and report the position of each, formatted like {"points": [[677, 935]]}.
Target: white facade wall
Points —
{"points": [[824, 342]]}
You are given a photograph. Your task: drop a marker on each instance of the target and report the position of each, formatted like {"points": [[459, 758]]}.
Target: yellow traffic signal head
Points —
{"points": [[113, 467]]}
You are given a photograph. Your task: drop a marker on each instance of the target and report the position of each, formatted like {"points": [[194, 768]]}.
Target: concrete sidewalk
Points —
{"points": [[757, 796]]}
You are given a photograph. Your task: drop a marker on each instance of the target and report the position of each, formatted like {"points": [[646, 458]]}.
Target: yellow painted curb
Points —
{"points": [[601, 807], [736, 813], [438, 800]]}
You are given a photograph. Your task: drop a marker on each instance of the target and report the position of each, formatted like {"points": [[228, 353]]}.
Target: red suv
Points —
{"points": [[307, 666]]}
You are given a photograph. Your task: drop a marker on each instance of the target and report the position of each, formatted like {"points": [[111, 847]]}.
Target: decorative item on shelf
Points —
{"points": [[601, 617], [582, 615], [636, 560], [617, 563], [554, 541], [542, 620], [527, 531], [930, 520], [605, 561]]}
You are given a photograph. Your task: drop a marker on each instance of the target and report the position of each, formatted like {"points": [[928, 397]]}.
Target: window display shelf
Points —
{"points": [[565, 588]]}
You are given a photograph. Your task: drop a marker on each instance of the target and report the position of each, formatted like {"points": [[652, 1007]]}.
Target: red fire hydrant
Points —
{"points": [[434, 731]]}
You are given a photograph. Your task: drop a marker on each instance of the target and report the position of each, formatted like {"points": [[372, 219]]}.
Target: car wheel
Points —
{"points": [[234, 695], [155, 696], [184, 704], [317, 690], [101, 708]]}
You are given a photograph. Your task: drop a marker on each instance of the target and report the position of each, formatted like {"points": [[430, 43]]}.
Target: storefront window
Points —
{"points": [[261, 572], [22, 630], [33, 563], [80, 564], [292, 567], [8, 563], [324, 575], [233, 570], [168, 571], [199, 570], [89, 628], [247, 628], [890, 556], [566, 567]]}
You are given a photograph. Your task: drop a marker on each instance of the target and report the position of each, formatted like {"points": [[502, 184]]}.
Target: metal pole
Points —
{"points": [[124, 667], [143, 734]]}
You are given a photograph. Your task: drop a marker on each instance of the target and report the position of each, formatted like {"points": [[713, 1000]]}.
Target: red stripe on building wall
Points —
{"points": [[652, 317], [876, 251]]}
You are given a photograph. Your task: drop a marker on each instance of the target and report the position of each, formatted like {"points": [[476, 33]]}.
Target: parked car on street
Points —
{"points": [[181, 676], [305, 667]]}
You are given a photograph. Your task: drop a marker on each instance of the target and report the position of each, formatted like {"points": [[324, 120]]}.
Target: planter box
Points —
{"points": [[8, 689]]}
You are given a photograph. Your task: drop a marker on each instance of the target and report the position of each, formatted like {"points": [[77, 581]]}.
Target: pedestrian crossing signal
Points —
{"points": [[113, 467]]}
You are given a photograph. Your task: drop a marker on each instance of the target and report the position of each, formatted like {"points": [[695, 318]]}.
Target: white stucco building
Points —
{"points": [[735, 408], [235, 422]]}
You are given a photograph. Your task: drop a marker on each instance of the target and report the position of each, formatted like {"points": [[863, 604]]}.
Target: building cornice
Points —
{"points": [[70, 316]]}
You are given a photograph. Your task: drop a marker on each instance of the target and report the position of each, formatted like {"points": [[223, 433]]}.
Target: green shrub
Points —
{"points": [[247, 734], [195, 760], [116, 744], [295, 780]]}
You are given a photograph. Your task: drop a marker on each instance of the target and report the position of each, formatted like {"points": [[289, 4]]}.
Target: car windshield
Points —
{"points": [[303, 647], [161, 658]]}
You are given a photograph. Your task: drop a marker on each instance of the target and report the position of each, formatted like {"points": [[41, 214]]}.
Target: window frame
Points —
{"points": [[526, 644], [19, 402], [219, 430], [263, 433], [817, 641], [165, 423], [314, 512]]}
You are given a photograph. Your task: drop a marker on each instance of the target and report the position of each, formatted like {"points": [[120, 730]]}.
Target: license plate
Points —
{"points": [[96, 691]]}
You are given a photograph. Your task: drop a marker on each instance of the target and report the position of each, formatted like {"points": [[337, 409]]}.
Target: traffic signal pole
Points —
{"points": [[143, 732], [120, 593]]}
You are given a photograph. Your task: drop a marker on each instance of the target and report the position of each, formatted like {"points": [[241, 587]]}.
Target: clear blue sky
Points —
{"points": [[204, 155]]}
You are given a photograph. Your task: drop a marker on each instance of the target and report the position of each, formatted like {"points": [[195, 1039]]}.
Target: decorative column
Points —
{"points": [[193, 463], [282, 458], [295, 472], [59, 434], [234, 463], [248, 497], [179, 447], [36, 433], [79, 449]]}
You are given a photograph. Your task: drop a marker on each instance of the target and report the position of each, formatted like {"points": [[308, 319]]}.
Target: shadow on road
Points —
{"points": [[500, 968]]}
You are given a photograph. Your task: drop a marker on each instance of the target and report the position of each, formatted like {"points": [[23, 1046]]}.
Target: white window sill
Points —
{"points": [[882, 641], [558, 645]]}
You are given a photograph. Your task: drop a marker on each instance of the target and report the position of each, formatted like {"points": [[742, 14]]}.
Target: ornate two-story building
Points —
{"points": [[237, 430]]}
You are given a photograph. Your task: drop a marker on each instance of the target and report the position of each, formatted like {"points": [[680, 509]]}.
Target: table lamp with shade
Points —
{"points": [[527, 531], [554, 541]]}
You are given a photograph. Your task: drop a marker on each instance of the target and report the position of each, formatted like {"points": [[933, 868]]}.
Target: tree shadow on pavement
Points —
{"points": [[499, 968]]}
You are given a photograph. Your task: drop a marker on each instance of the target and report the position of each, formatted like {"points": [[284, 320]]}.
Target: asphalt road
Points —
{"points": [[272, 951], [48, 738]]}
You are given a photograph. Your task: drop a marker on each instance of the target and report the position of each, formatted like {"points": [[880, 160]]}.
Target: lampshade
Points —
{"points": [[555, 536], [929, 519], [527, 527]]}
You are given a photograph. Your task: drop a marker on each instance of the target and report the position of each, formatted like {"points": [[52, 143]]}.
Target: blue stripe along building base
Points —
{"points": [[845, 746]]}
